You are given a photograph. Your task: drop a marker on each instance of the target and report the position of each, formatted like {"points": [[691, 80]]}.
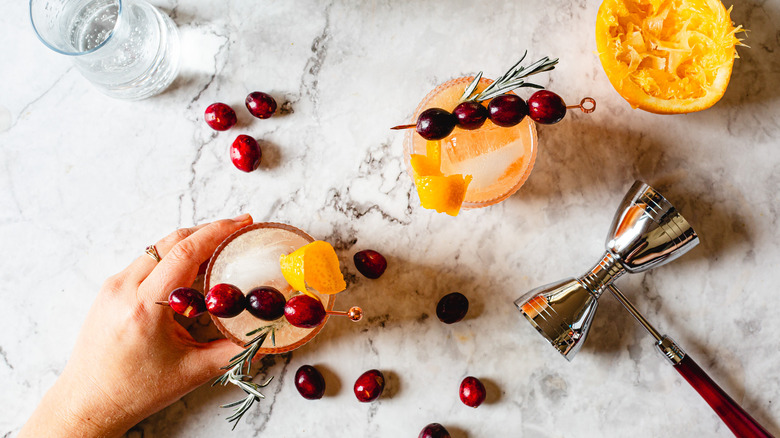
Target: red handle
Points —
{"points": [[739, 421]]}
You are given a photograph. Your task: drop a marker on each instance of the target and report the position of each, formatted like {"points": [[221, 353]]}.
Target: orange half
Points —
{"points": [[667, 56]]}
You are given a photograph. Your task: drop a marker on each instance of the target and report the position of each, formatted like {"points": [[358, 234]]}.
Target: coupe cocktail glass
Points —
{"points": [[248, 259], [499, 159]]}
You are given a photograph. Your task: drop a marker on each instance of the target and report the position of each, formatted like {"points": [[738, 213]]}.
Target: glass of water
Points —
{"points": [[126, 48]]}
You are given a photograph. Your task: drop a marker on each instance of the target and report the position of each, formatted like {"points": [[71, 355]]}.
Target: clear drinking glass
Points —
{"points": [[126, 48]]}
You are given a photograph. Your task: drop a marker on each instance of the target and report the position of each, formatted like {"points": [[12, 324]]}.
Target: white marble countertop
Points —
{"points": [[88, 182]]}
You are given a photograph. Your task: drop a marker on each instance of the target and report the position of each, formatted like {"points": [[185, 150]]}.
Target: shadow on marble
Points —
{"points": [[716, 213], [613, 330], [272, 154], [493, 392], [719, 213], [456, 432], [582, 157], [332, 381], [186, 81], [755, 73], [393, 385]]}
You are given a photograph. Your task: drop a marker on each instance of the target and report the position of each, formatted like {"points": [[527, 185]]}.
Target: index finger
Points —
{"points": [[180, 266]]}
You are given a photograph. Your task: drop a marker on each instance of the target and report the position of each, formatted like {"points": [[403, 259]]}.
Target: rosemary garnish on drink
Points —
{"points": [[511, 80], [237, 376]]}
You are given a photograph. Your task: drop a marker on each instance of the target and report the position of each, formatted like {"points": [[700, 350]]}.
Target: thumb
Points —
{"points": [[208, 358]]}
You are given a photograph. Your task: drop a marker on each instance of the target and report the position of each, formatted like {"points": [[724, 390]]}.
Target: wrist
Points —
{"points": [[76, 409]]}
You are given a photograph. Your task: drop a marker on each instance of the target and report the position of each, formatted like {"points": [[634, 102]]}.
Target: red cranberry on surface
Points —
{"points": [[369, 386], [245, 153], [434, 430], [261, 105], [452, 308], [220, 116], [472, 392], [309, 382], [370, 263]]}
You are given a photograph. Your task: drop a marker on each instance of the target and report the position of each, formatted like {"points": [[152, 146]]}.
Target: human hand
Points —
{"points": [[131, 358]]}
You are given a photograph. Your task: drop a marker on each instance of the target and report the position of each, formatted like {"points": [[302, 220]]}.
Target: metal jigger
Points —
{"points": [[647, 232]]}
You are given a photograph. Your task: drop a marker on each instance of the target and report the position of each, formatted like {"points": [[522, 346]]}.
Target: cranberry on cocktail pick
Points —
{"points": [[307, 312], [225, 301], [265, 303], [186, 301], [507, 110], [304, 311], [470, 114]]}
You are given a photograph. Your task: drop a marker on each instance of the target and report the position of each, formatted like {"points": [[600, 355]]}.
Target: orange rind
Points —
{"points": [[313, 266], [444, 194], [667, 56]]}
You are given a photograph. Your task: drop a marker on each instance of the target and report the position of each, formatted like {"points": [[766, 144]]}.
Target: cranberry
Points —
{"points": [[546, 107], [187, 301], [220, 117], [304, 311], [369, 386], [225, 301], [265, 303], [452, 308], [370, 263], [309, 382], [470, 115], [435, 124], [260, 104], [507, 110], [434, 430], [472, 392], [245, 153]]}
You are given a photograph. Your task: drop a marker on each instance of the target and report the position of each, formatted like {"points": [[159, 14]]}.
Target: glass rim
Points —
{"points": [[85, 52]]}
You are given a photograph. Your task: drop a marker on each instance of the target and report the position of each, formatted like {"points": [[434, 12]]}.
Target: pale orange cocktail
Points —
{"points": [[250, 258], [498, 159]]}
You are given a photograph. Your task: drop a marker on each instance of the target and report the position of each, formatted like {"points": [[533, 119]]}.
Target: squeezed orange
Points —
{"points": [[498, 159]]}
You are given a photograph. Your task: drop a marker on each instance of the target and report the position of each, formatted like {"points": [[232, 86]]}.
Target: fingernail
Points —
{"points": [[246, 217]]}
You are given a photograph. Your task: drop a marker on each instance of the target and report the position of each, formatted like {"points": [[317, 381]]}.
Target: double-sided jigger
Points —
{"points": [[647, 232]]}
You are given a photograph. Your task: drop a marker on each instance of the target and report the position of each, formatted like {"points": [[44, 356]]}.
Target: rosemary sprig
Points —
{"points": [[237, 376], [510, 80]]}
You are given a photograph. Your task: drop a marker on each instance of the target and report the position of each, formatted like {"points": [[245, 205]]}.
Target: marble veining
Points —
{"points": [[88, 182]]}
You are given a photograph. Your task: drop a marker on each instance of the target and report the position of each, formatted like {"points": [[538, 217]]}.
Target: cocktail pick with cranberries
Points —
{"points": [[505, 110]]}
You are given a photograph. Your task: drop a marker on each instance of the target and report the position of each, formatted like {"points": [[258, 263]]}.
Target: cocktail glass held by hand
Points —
{"points": [[127, 48], [647, 232]]}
